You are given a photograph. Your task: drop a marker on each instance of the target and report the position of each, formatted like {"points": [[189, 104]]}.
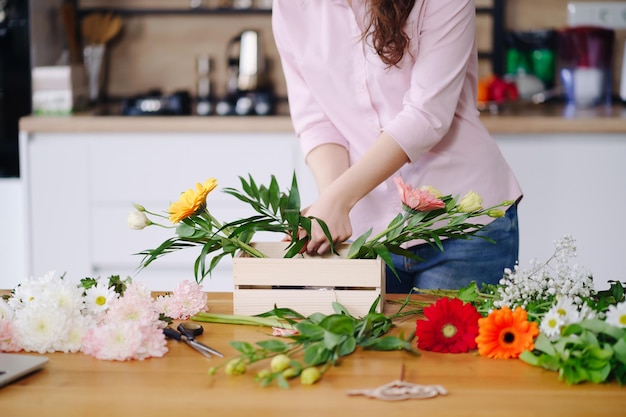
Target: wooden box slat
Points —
{"points": [[307, 284]]}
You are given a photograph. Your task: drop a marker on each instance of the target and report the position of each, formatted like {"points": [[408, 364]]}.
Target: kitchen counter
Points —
{"points": [[79, 385], [521, 118]]}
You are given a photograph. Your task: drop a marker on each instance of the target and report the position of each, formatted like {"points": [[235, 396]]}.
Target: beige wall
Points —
{"points": [[159, 51]]}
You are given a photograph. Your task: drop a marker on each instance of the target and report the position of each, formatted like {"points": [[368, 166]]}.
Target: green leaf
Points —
{"points": [[619, 349], [347, 346], [332, 340], [277, 346], [340, 309], [386, 343], [310, 330], [243, 347], [600, 375], [468, 294], [543, 344], [530, 358], [338, 323], [184, 230], [355, 247], [316, 354]]}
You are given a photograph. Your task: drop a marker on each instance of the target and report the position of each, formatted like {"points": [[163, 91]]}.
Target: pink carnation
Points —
{"points": [[7, 341], [124, 341], [130, 329], [186, 300], [418, 199]]}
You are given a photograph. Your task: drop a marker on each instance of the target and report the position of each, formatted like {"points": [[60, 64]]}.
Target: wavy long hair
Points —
{"points": [[386, 28]]}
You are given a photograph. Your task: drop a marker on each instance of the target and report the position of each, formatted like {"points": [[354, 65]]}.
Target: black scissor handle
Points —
{"points": [[190, 329], [171, 333]]}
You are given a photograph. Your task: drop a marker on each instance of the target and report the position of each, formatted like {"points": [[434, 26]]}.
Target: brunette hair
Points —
{"points": [[386, 28]]}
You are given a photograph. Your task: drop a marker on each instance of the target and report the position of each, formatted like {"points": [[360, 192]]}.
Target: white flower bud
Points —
{"points": [[138, 220]]}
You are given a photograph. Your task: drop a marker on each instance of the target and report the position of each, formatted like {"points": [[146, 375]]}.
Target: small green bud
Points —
{"points": [[235, 366], [264, 373], [495, 213], [508, 202], [139, 207], [213, 370], [290, 373], [310, 376], [280, 362]]}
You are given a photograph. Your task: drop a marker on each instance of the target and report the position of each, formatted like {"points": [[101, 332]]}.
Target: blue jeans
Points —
{"points": [[462, 261]]}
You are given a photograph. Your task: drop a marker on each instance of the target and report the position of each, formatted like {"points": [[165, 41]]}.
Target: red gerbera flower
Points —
{"points": [[451, 327]]}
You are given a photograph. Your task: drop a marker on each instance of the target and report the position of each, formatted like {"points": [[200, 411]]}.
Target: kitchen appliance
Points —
{"points": [[15, 81], [608, 15], [585, 61], [154, 103], [248, 91]]}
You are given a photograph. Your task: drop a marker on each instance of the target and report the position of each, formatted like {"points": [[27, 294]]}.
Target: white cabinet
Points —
{"points": [[80, 188], [573, 184]]}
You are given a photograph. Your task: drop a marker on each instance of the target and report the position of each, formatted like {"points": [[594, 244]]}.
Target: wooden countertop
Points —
{"points": [[75, 385], [543, 118]]}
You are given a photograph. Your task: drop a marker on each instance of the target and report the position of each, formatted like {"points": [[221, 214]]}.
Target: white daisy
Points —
{"points": [[552, 323], [98, 298], [616, 315], [567, 310]]}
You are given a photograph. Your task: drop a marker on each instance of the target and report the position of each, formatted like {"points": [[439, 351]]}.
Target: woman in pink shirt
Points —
{"points": [[385, 88]]}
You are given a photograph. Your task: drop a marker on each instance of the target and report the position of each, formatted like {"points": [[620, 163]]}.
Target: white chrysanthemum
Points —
{"points": [[616, 315], [76, 329], [6, 312], [65, 295], [26, 292], [98, 298], [552, 323], [38, 328]]}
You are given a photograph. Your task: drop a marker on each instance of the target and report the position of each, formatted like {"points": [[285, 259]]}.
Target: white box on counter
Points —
{"points": [[59, 89]]}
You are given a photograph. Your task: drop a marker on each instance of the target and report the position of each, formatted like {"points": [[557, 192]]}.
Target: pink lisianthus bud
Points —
{"points": [[422, 199], [470, 203]]}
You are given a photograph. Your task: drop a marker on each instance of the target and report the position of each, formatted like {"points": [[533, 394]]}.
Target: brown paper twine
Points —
{"points": [[400, 390]]}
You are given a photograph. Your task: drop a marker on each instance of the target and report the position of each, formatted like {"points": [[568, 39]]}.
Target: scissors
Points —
{"points": [[187, 331]]}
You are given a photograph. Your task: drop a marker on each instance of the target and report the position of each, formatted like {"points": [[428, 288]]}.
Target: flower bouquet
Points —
{"points": [[109, 319], [548, 315], [426, 215]]}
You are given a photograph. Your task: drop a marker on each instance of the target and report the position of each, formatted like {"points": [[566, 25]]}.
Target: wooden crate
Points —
{"points": [[307, 284]]}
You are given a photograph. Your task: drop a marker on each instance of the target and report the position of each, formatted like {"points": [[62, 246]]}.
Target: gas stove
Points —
{"points": [[154, 103]]}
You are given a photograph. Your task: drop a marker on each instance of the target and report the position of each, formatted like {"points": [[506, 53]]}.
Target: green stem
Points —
{"points": [[227, 232], [240, 319]]}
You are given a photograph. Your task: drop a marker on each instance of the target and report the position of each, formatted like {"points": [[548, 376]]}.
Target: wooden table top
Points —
{"points": [[79, 385]]}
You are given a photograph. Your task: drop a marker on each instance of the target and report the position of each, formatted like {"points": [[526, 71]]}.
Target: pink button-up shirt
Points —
{"points": [[341, 92]]}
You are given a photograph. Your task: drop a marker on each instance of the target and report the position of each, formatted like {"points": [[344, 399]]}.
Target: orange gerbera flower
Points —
{"points": [[506, 334], [191, 201]]}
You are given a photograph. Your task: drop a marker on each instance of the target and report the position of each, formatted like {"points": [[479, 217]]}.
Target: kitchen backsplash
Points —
{"points": [[156, 50]]}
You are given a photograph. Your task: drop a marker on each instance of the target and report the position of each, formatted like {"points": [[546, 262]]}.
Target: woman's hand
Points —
{"points": [[335, 215]]}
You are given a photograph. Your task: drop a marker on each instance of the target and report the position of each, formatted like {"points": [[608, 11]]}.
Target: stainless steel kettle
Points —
{"points": [[247, 65]]}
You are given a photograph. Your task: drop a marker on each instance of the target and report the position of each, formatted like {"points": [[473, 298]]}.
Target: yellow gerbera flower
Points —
{"points": [[506, 334], [191, 201]]}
